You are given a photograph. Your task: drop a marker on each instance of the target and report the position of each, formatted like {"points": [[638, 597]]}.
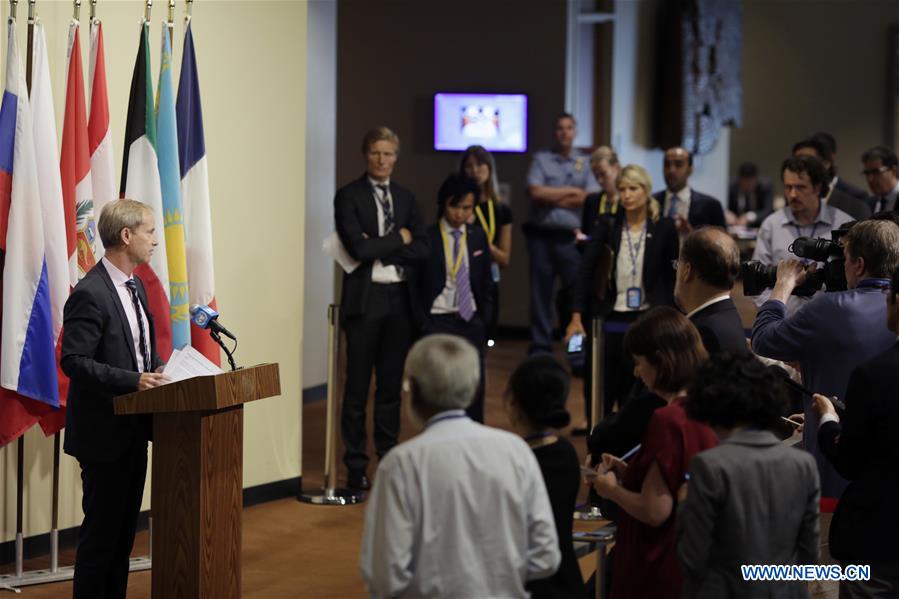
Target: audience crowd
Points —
{"points": [[716, 448]]}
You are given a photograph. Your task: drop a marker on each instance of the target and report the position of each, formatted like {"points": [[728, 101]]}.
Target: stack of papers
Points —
{"points": [[333, 247], [187, 363]]}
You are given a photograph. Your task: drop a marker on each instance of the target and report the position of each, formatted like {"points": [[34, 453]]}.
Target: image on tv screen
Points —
{"points": [[496, 121]]}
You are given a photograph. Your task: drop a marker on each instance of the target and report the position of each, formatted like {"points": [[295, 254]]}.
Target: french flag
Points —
{"points": [[27, 352]]}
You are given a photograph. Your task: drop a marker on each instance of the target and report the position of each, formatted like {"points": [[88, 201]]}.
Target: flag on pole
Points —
{"points": [[98, 130], [27, 351], [170, 180], [140, 181], [75, 166], [195, 194], [50, 186]]}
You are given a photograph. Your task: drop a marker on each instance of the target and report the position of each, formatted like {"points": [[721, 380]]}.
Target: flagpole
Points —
{"points": [[147, 10], [189, 12], [29, 55], [93, 10], [171, 22]]}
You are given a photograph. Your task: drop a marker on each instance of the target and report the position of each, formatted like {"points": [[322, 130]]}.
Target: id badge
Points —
{"points": [[494, 272], [634, 298]]}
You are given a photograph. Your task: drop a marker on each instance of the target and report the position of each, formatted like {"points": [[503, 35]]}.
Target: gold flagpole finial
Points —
{"points": [[147, 10], [13, 4], [76, 14], [31, 10], [189, 7], [171, 12], [93, 9]]}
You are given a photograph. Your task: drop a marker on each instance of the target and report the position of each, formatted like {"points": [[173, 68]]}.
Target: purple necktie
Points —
{"points": [[464, 299]]}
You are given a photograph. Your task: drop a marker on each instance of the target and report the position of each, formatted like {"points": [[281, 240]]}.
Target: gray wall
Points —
{"points": [[808, 66], [393, 55]]}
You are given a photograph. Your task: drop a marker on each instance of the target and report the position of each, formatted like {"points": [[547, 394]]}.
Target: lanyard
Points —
{"points": [[450, 416], [635, 253], [814, 229], [489, 230], [453, 268], [874, 283], [603, 204]]}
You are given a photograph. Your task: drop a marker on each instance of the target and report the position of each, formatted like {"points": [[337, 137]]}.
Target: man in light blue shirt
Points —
{"points": [[461, 509], [558, 181]]}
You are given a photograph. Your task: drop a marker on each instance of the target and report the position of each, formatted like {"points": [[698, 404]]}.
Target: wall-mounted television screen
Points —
{"points": [[496, 121]]}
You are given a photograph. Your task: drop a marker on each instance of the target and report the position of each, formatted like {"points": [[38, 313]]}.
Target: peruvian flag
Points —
{"points": [[99, 134], [195, 195], [140, 181], [27, 351], [75, 167]]}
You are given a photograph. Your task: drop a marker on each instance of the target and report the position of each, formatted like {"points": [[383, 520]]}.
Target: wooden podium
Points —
{"points": [[197, 484]]}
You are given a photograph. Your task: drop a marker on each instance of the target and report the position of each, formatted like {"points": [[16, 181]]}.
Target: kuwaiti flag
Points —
{"points": [[170, 179], [99, 133], [75, 166], [27, 352], [50, 186], [195, 195], [140, 181]]}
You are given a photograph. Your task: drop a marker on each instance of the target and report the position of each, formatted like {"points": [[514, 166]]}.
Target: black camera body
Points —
{"points": [[757, 276]]}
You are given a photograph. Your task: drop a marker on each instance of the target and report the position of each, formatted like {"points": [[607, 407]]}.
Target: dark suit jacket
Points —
{"points": [[704, 209], [850, 189], [99, 359], [658, 276], [720, 327], [356, 218], [431, 278], [854, 207], [761, 201], [864, 448], [590, 214]]}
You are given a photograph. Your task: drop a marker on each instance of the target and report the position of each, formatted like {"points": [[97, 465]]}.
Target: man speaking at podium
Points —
{"points": [[109, 349]]}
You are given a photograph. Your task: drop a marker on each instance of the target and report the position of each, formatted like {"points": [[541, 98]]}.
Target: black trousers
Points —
{"points": [[111, 504], [377, 340], [473, 331]]}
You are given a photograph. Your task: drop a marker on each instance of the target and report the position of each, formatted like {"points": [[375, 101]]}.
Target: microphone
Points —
{"points": [[207, 318]]}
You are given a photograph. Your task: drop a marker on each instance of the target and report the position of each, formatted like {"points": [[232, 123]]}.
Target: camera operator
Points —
{"points": [[863, 446], [834, 332], [805, 215]]}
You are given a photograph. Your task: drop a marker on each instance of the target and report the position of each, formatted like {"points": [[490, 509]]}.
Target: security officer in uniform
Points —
{"points": [[558, 181]]}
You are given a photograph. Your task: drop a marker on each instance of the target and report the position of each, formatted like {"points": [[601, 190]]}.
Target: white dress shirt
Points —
{"points": [[446, 303], [714, 300], [118, 280], [379, 272], [624, 269], [460, 510]]}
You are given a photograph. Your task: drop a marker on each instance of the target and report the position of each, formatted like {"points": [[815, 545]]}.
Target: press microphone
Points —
{"points": [[207, 318]]}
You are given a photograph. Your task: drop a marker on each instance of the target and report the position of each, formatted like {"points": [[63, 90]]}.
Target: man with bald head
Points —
{"points": [[706, 270], [689, 208]]}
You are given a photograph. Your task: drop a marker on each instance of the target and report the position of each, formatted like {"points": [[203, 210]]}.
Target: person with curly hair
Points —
{"points": [[750, 500]]}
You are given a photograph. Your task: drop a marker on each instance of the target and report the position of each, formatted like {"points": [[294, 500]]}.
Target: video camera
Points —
{"points": [[758, 277]]}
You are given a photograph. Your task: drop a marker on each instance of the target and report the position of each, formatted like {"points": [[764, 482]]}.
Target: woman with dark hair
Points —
{"points": [[535, 404], [667, 353], [751, 500], [492, 214], [626, 270]]}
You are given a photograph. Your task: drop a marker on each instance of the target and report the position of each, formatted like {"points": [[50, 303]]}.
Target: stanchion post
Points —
{"points": [[331, 495], [596, 392], [20, 506], [54, 519]]}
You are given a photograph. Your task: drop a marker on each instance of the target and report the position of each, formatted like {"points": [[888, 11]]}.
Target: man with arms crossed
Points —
{"points": [[109, 349], [379, 225]]}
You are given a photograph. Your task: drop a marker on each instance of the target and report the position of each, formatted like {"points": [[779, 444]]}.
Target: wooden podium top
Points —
{"points": [[204, 393]]}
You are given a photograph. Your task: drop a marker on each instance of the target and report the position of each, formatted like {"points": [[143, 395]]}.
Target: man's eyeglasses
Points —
{"points": [[871, 172]]}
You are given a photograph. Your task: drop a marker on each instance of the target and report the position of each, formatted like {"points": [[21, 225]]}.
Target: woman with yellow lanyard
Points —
{"points": [[605, 167], [492, 215]]}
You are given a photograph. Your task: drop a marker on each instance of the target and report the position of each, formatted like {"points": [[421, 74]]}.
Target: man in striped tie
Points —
{"points": [[454, 284], [109, 349]]}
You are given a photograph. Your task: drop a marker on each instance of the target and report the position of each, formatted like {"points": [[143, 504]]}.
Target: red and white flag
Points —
{"points": [[99, 133]]}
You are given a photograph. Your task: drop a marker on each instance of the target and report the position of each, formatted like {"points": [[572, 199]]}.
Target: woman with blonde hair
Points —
{"points": [[626, 270], [605, 167]]}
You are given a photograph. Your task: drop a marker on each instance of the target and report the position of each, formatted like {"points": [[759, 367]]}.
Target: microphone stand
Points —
{"points": [[218, 339]]}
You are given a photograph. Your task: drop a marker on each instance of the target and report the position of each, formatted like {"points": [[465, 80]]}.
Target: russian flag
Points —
{"points": [[27, 351], [195, 195]]}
